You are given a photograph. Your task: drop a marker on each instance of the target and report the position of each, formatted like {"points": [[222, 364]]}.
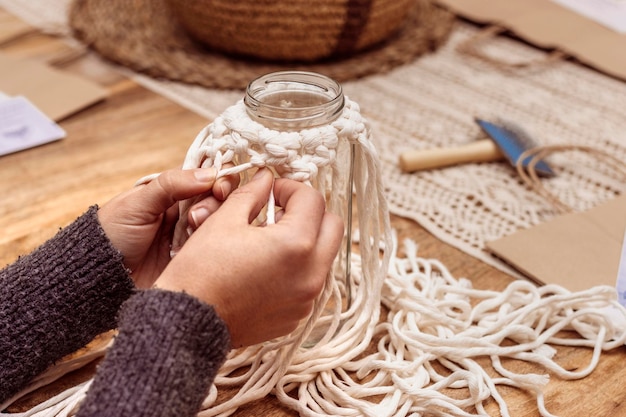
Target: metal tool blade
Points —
{"points": [[513, 142]]}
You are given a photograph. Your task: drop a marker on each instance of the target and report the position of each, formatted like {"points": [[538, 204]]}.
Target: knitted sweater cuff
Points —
{"points": [[169, 348], [56, 299]]}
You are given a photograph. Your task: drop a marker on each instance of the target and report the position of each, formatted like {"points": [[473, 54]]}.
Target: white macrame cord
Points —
{"points": [[438, 332]]}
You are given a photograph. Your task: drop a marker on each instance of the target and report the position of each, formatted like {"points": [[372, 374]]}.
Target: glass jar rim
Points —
{"points": [[307, 114]]}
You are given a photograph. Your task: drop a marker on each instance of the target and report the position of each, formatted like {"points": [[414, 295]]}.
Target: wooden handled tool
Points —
{"points": [[484, 150], [505, 142]]}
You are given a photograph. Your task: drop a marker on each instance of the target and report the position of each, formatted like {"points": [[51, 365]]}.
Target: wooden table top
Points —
{"points": [[137, 132]]}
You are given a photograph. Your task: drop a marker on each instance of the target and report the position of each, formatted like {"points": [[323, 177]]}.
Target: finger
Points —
{"points": [[303, 206], [184, 223], [278, 214], [225, 185], [330, 236], [175, 185], [246, 202], [201, 210]]}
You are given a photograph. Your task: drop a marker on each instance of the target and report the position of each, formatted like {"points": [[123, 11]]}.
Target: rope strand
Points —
{"points": [[438, 331]]}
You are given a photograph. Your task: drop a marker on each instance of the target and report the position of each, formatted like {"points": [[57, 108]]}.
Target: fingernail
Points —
{"points": [[199, 215], [226, 188], [205, 174]]}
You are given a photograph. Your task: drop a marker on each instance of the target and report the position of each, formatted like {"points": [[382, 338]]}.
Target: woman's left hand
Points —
{"points": [[140, 222]]}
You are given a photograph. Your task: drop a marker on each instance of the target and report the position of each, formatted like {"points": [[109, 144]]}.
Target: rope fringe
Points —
{"points": [[427, 354]]}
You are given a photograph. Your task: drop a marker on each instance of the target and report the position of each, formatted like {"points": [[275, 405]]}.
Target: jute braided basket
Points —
{"points": [[244, 39], [291, 30]]}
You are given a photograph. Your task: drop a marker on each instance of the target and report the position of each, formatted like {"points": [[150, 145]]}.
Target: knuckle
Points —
{"points": [[165, 180], [311, 289], [302, 246]]}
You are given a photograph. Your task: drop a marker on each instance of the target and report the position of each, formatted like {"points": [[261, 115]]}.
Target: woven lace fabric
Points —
{"points": [[432, 103]]}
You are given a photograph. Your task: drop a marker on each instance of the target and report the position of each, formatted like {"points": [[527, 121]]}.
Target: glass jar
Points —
{"points": [[298, 100]]}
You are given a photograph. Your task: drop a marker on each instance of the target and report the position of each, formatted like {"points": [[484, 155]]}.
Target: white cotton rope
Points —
{"points": [[427, 356]]}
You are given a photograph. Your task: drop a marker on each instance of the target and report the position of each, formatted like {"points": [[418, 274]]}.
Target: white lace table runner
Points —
{"points": [[433, 103]]}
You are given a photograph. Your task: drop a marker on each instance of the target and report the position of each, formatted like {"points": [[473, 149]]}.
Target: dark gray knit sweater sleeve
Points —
{"points": [[56, 299], [163, 361]]}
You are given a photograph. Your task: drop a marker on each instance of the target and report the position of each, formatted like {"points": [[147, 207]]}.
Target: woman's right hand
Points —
{"points": [[262, 280]]}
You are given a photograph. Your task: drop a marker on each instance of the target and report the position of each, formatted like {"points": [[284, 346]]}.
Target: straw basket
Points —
{"points": [[291, 30]]}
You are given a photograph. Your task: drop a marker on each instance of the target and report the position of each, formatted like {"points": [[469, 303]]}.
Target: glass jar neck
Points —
{"points": [[294, 100]]}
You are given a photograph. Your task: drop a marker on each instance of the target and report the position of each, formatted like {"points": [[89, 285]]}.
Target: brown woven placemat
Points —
{"points": [[144, 36]]}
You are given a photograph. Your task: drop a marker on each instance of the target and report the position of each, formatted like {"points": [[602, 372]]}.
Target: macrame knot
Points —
{"points": [[234, 137]]}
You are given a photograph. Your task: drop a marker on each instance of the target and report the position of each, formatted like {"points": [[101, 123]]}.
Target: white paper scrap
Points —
{"points": [[23, 126], [610, 13]]}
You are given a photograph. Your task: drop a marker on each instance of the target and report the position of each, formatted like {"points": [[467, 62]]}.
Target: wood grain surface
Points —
{"points": [[136, 132]]}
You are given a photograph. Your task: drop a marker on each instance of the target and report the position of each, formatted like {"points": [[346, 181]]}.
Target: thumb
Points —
{"points": [[174, 185]]}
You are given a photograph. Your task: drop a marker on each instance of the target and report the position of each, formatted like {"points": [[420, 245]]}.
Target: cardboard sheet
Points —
{"points": [[549, 25], [56, 93], [11, 28], [577, 251]]}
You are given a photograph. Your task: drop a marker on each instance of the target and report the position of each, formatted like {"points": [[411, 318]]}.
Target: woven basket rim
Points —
{"points": [[144, 36]]}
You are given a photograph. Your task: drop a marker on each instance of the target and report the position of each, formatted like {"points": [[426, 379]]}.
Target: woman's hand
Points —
{"points": [[140, 222], [262, 280]]}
